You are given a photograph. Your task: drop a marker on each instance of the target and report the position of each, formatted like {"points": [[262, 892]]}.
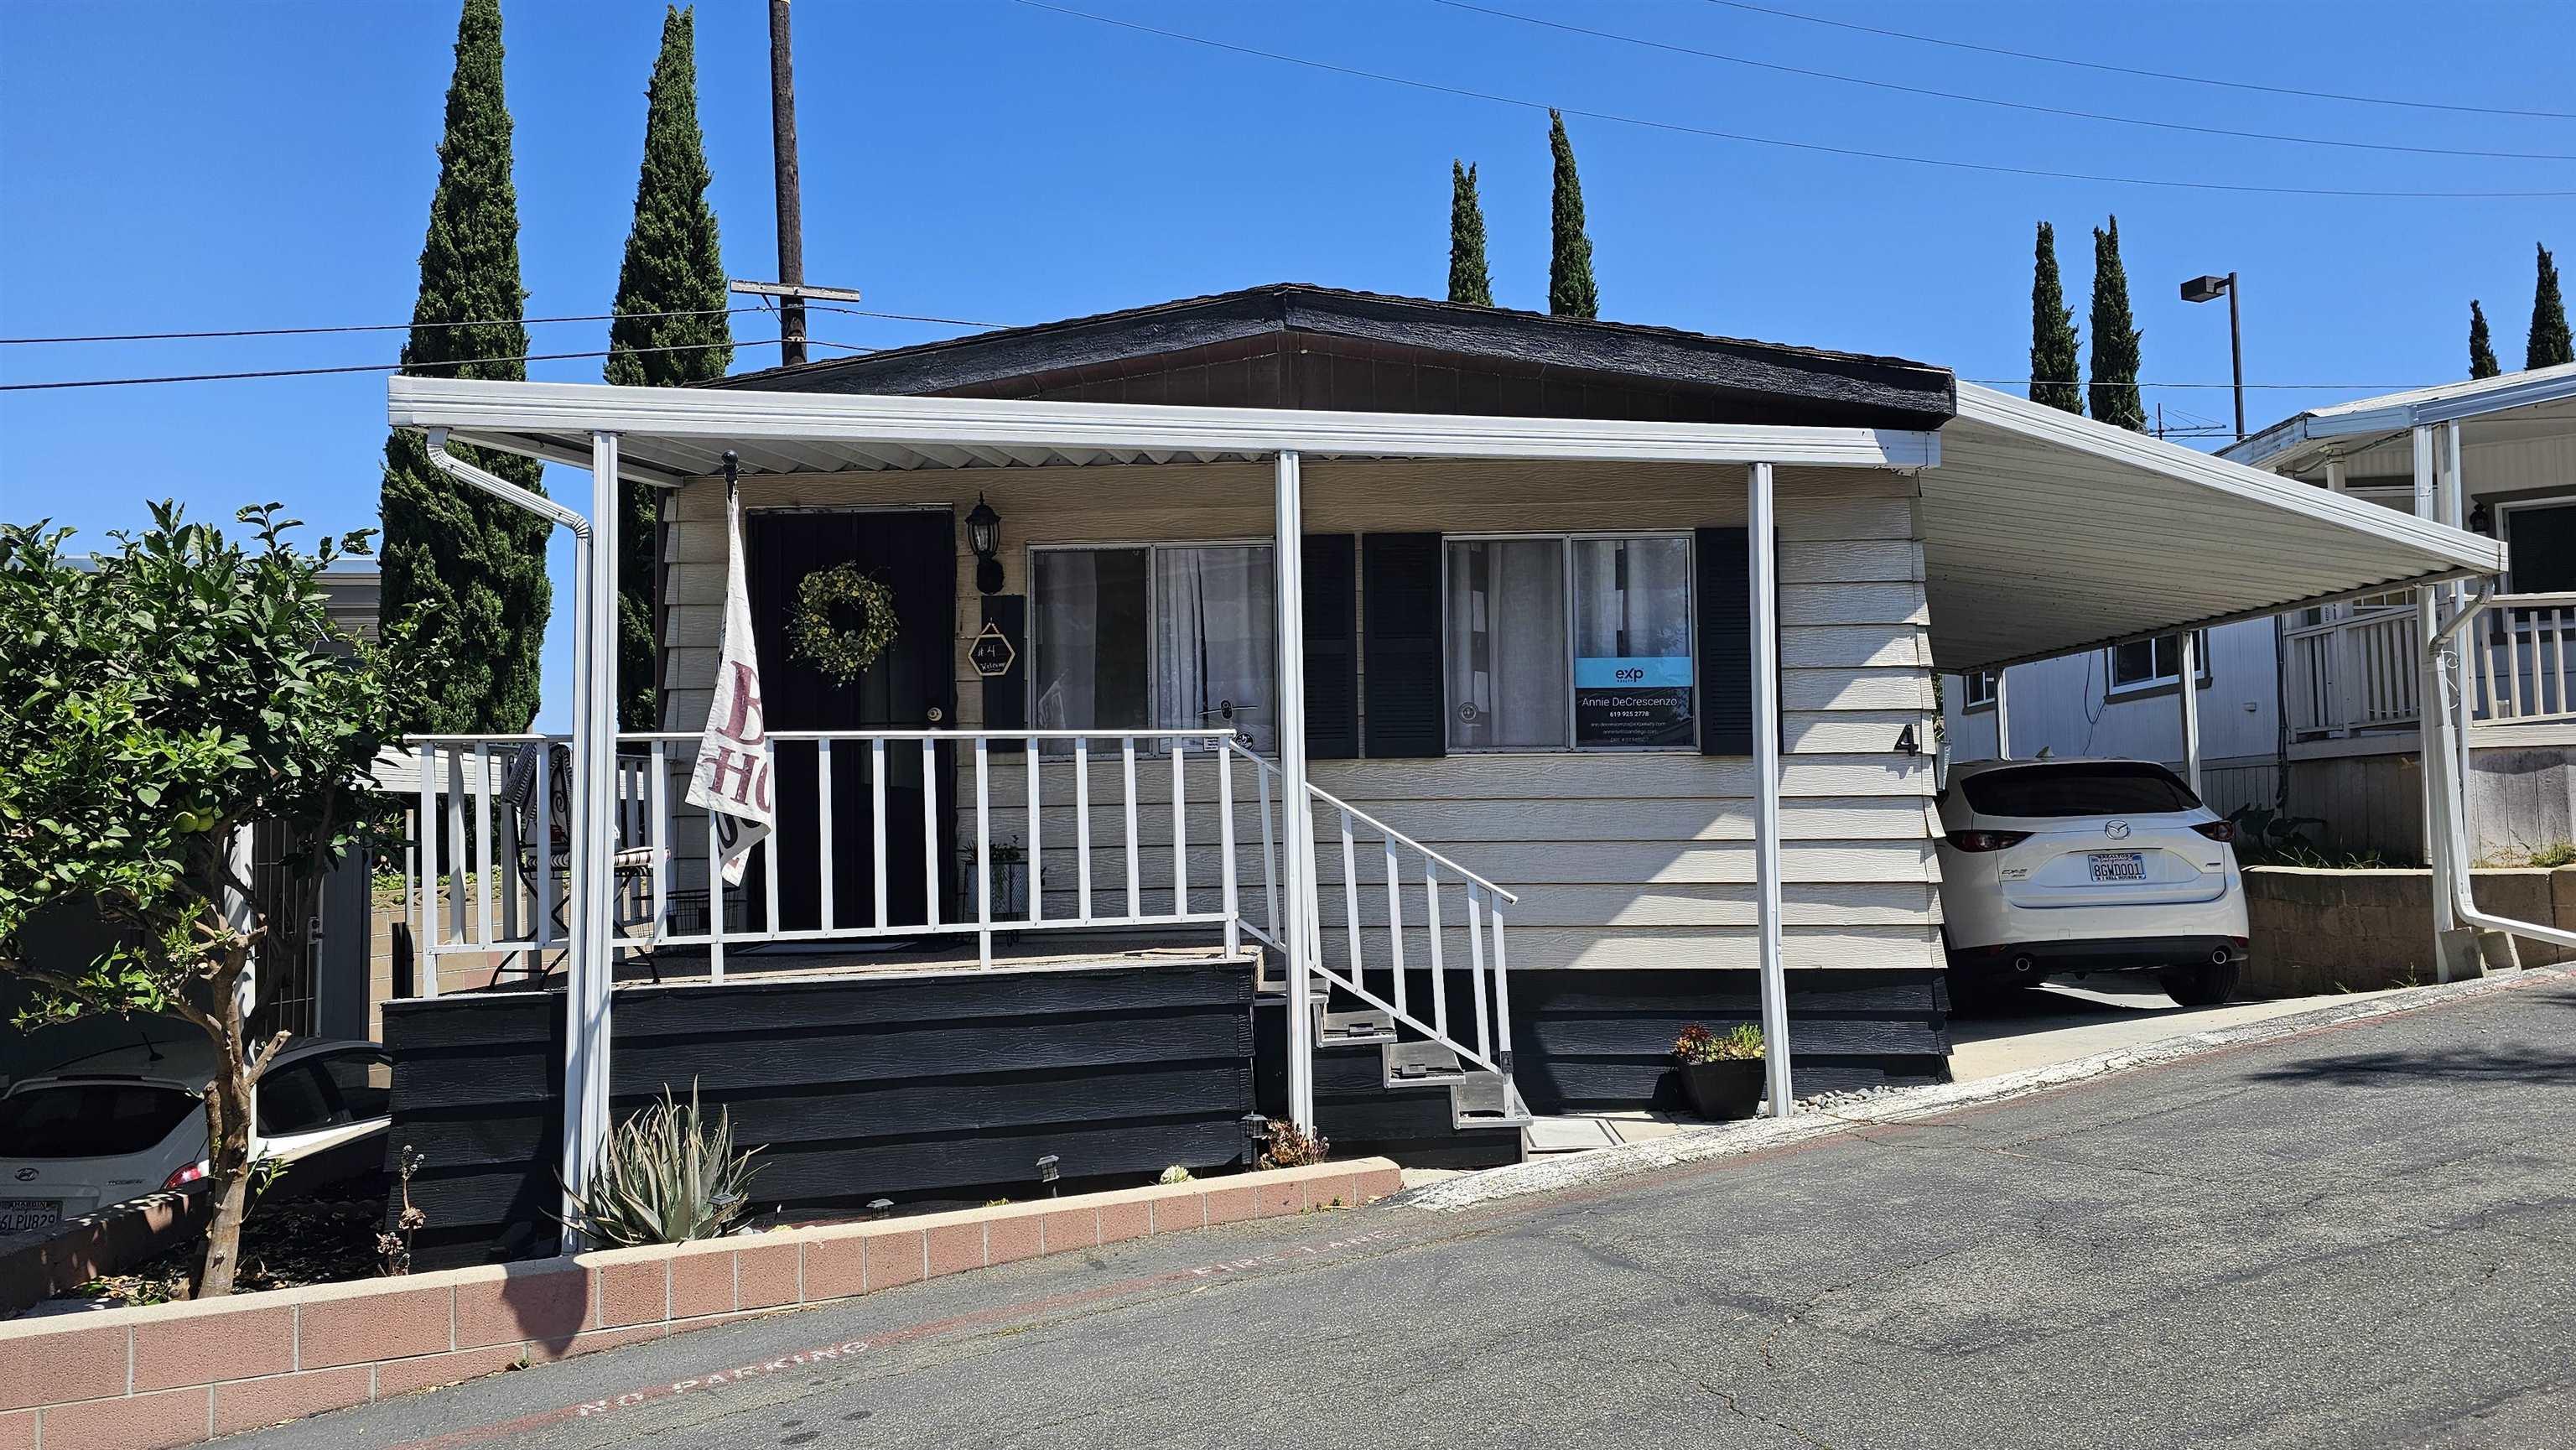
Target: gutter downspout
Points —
{"points": [[584, 1064], [2454, 842]]}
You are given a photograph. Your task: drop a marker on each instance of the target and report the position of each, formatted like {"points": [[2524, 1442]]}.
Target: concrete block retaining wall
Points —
{"points": [[2329, 930], [172, 1374]]}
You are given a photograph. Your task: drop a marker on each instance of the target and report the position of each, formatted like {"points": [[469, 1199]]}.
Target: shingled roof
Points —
{"points": [[1729, 376]]}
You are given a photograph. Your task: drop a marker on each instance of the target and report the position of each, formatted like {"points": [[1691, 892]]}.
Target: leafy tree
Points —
{"points": [[670, 329], [175, 693], [2053, 366], [1469, 281], [476, 564], [1570, 292], [2482, 358], [2114, 387], [2549, 341]]}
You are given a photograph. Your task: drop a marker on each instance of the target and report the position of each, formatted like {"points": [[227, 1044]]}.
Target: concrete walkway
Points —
{"points": [[2063, 1021], [2042, 1027]]}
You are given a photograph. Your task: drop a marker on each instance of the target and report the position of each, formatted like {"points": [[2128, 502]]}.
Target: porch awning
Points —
{"points": [[2043, 532], [2046, 533], [2369, 434]]}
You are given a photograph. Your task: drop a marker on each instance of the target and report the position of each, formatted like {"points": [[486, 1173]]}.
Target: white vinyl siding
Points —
{"points": [[1620, 860]]}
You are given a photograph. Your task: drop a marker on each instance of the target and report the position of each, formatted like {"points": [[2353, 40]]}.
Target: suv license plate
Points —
{"points": [[2118, 865], [26, 1215]]}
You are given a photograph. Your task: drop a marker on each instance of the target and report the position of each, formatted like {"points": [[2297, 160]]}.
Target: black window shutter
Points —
{"points": [[1725, 588], [1400, 575], [1332, 648]]}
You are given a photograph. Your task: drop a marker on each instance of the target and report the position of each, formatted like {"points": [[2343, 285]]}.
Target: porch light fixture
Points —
{"points": [[984, 536], [2482, 521]]}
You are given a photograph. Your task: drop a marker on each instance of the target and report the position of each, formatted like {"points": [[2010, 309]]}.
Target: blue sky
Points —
{"points": [[172, 166]]}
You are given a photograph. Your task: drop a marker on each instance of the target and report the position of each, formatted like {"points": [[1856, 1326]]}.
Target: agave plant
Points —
{"points": [[667, 1175]]}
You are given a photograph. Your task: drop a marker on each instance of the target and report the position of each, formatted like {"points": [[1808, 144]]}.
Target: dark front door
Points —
{"points": [[912, 686]]}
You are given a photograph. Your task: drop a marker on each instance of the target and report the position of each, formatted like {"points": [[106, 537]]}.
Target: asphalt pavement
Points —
{"points": [[2363, 1234]]}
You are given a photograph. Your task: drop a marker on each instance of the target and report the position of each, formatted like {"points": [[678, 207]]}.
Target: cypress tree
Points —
{"points": [[2482, 358], [670, 329], [2053, 367], [477, 563], [2549, 342], [1469, 281], [1570, 292], [2114, 389]]}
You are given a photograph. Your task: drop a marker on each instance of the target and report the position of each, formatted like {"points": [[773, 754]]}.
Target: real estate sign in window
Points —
{"points": [[1583, 643], [1632, 643]]}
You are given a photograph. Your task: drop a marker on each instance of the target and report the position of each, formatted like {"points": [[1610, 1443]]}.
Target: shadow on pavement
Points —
{"points": [[2388, 1069]]}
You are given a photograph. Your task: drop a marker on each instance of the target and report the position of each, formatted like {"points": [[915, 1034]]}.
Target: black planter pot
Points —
{"points": [[1721, 1090]]}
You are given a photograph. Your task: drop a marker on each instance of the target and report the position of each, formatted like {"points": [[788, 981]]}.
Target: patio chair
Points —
{"points": [[629, 865]]}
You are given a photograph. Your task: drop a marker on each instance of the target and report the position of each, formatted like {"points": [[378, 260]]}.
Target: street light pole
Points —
{"points": [[2206, 289]]}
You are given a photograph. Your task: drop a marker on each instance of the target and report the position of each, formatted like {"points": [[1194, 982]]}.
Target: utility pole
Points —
{"points": [[790, 290], [791, 210]]}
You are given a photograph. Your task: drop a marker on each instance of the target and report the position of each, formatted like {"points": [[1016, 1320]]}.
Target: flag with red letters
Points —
{"points": [[731, 780]]}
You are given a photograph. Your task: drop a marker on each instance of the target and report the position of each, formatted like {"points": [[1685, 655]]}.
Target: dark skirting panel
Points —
{"points": [[1604, 1039], [935, 1086]]}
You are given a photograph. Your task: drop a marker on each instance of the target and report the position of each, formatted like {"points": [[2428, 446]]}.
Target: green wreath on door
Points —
{"points": [[840, 653]]}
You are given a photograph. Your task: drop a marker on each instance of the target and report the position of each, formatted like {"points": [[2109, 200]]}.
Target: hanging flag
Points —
{"points": [[732, 776]]}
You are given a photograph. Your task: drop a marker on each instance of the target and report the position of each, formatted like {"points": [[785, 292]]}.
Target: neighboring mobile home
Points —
{"points": [[1498, 595], [2330, 694]]}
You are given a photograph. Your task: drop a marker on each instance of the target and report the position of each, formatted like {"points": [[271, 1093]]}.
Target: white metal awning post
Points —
{"points": [[1765, 571], [593, 965], [2431, 700], [2003, 715], [1297, 821], [2190, 692]]}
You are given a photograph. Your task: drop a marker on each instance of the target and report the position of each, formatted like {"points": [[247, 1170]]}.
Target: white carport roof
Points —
{"points": [[2044, 532]]}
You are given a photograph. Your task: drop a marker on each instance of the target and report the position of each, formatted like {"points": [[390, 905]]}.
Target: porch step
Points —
{"points": [[1422, 1064], [1485, 1100], [1355, 1029]]}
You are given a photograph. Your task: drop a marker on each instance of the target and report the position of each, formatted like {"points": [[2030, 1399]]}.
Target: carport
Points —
{"points": [[2046, 534]]}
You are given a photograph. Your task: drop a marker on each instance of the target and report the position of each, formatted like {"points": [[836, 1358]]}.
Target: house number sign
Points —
{"points": [[991, 653]]}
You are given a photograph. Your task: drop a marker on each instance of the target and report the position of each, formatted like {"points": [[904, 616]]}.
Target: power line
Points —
{"points": [[1676, 126], [2136, 71], [383, 367], [487, 322], [1997, 101]]}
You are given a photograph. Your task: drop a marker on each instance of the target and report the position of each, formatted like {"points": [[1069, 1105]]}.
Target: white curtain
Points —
{"points": [[1508, 683], [1215, 642]]}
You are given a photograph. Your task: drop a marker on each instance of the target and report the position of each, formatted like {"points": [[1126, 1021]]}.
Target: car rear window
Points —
{"points": [[2113, 789], [89, 1120]]}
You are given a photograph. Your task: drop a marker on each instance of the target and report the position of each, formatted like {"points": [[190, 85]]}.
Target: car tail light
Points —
{"points": [[189, 1174], [2217, 830], [1987, 840]]}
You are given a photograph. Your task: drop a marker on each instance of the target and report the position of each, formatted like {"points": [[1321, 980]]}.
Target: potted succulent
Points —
{"points": [[1721, 1071]]}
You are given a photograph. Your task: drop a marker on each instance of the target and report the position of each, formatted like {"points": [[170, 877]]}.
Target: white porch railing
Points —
{"points": [[2520, 657], [2359, 673], [1410, 867], [1052, 830], [2355, 673]]}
